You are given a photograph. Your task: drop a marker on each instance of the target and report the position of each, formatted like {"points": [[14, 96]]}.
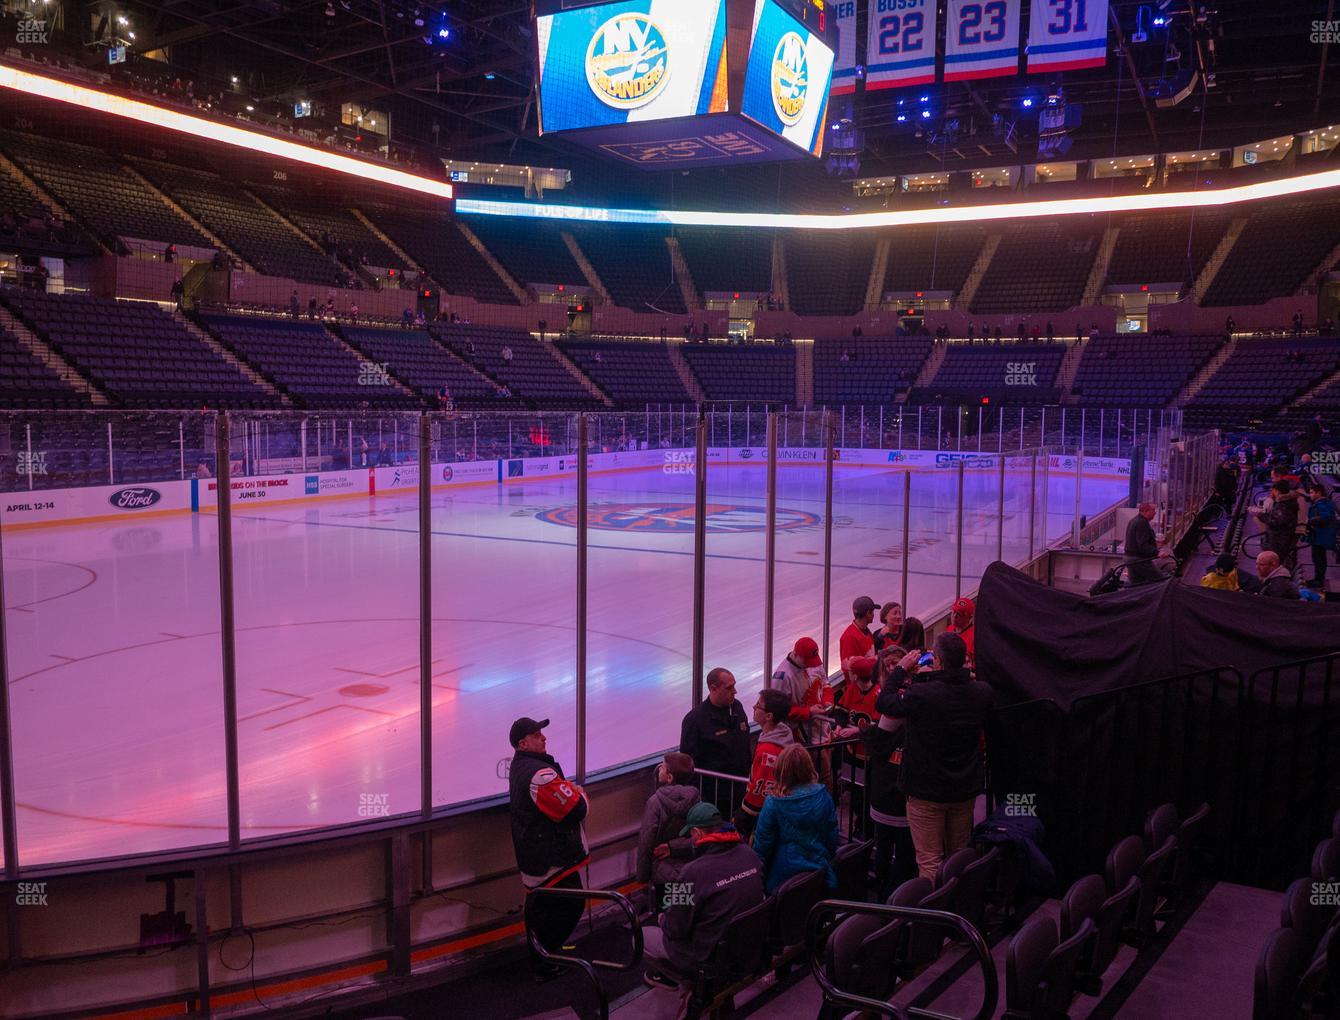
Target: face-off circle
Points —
{"points": [[677, 518]]}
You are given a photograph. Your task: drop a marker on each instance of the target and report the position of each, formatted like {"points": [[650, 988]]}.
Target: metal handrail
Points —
{"points": [[935, 918], [588, 967]]}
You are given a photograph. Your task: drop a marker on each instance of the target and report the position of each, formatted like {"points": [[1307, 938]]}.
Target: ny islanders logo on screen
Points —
{"points": [[790, 79], [627, 62]]}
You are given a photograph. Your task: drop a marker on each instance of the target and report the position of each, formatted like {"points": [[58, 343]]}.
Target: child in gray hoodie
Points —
{"points": [[661, 851]]}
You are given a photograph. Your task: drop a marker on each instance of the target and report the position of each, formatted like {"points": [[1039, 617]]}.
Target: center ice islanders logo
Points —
{"points": [[627, 61], [677, 518], [790, 79]]}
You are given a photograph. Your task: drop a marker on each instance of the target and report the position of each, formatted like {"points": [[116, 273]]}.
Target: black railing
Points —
{"points": [[587, 967], [840, 1001]]}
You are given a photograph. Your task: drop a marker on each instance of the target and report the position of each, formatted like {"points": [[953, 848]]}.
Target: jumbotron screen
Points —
{"points": [[790, 71], [639, 60], [685, 82]]}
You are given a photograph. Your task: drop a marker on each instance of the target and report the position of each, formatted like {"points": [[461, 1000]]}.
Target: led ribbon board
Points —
{"points": [[1288, 187], [228, 134]]}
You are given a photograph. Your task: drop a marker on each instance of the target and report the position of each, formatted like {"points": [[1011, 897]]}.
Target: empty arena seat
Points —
{"points": [[634, 264], [431, 238], [27, 382], [867, 369], [1140, 370], [972, 371], [532, 251], [93, 187], [329, 223], [243, 223], [630, 372], [1280, 247], [1040, 266], [417, 358], [306, 361], [759, 372], [828, 271], [1169, 247], [937, 258], [135, 352], [726, 260], [533, 373], [1261, 375]]}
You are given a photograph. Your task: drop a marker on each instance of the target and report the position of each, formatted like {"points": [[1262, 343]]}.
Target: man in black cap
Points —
{"points": [[716, 736], [547, 814], [724, 879]]}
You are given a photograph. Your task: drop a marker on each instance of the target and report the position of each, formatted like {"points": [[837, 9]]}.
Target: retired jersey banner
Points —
{"points": [[1065, 35], [900, 49], [844, 68], [981, 39]]}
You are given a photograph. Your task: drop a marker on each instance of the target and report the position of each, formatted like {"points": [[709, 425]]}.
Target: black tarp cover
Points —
{"points": [[1037, 642]]}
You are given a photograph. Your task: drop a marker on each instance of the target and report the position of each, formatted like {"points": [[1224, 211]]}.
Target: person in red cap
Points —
{"points": [[801, 675], [857, 641], [961, 623]]}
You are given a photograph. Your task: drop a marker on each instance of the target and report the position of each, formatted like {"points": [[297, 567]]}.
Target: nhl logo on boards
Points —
{"points": [[628, 61]]}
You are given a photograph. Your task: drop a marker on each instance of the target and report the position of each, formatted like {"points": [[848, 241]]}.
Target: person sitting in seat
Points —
{"points": [[1223, 576], [661, 851], [1276, 580], [724, 879], [797, 828]]}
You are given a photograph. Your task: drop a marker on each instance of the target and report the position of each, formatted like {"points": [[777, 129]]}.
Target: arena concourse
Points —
{"points": [[670, 508]]}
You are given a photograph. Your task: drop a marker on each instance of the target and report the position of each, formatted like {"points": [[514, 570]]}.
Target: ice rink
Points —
{"points": [[115, 654]]}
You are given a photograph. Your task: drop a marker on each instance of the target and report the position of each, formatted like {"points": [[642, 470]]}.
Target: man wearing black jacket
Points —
{"points": [[946, 712], [1142, 547], [547, 834], [716, 736]]}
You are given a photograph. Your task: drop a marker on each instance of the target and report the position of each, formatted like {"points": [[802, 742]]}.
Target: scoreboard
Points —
{"points": [[665, 83]]}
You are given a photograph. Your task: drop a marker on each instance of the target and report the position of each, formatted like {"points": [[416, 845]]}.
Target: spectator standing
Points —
{"points": [[547, 813], [801, 676], [662, 851], [797, 828], [1314, 433], [1223, 575], [1142, 547], [770, 712], [311, 307], [294, 308], [882, 742], [961, 622], [1321, 533], [385, 458], [1226, 482], [946, 712], [715, 735], [1280, 521], [1276, 581], [724, 879], [857, 641], [891, 625]]}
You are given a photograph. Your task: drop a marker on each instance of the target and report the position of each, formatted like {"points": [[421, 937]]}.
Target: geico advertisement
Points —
{"points": [[640, 60]]}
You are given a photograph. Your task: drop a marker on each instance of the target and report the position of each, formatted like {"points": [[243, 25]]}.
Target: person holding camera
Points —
{"points": [[945, 712]]}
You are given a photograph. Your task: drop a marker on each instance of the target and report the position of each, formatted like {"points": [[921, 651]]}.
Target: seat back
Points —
{"points": [[973, 883], [1161, 823], [1058, 975], [1151, 874], [796, 897], [1026, 960], [1278, 970], [1188, 833], [954, 864], [1326, 860], [1300, 912], [1123, 862], [742, 948], [851, 864], [1111, 916], [859, 954], [1081, 903], [911, 892], [925, 942]]}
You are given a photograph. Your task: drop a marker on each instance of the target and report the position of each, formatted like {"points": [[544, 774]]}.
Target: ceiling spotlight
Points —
{"points": [[489, 76], [122, 20], [925, 114], [444, 33]]}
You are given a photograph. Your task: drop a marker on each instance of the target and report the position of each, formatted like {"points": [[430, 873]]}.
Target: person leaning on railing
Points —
{"points": [[715, 735]]}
